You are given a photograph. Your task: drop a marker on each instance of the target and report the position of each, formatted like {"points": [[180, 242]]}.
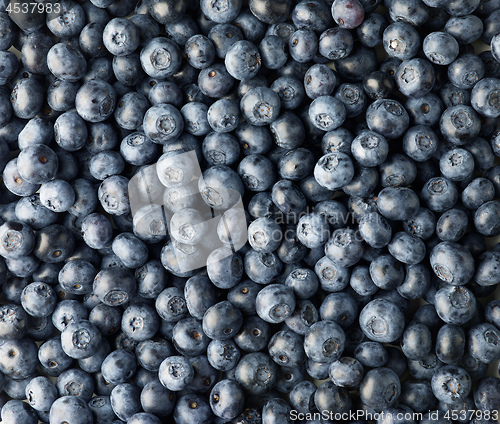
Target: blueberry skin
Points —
{"points": [[371, 354], [192, 409], [114, 286], [415, 78], [226, 399], [381, 320], [70, 131], [327, 113], [369, 148], [324, 341], [119, 366], [223, 116], [273, 52], [465, 29], [260, 106], [401, 40], [140, 322], [80, 339], [264, 235], [386, 272], [16, 184], [113, 195], [74, 67], [313, 230], [486, 218], [370, 31], [75, 382], [288, 198], [16, 239], [455, 304], [450, 344], [425, 110], [171, 305], [486, 394], [223, 36], [440, 48], [407, 248], [302, 396], [214, 81], [353, 97], [452, 263], [286, 348], [125, 400], [160, 58], [131, 251], [439, 194], [484, 97], [256, 373], [460, 124], [288, 131], [38, 299], [482, 342], [222, 321], [450, 384], [486, 274], [452, 225], [23, 363], [335, 43], [416, 342], [344, 247], [274, 303], [332, 276], [137, 149], [219, 148], [290, 91], [375, 230], [319, 80], [19, 412], [380, 388], [14, 322], [96, 231], [387, 117], [334, 170], [26, 100], [220, 187], [337, 141], [397, 203], [95, 101], [420, 143], [200, 295]]}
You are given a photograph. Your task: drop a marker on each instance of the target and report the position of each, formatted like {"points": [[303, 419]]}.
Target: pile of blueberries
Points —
{"points": [[262, 212]]}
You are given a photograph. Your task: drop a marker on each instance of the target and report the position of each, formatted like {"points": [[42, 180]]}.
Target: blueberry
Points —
{"points": [[16, 411], [348, 14], [222, 321], [214, 81], [380, 388], [455, 304], [452, 263], [451, 384], [369, 148], [125, 400], [486, 394], [74, 62], [327, 113], [450, 344], [401, 40], [26, 100], [440, 48], [387, 117], [415, 78], [382, 321], [465, 29], [486, 219], [483, 342]]}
